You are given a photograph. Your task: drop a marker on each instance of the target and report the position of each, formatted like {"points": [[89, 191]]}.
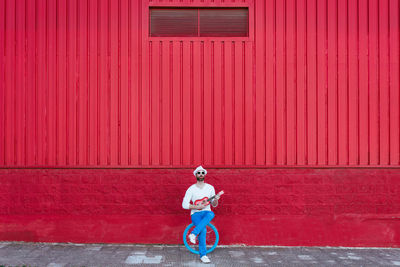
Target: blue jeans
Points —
{"points": [[200, 220]]}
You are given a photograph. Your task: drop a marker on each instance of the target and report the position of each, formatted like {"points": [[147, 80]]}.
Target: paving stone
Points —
{"points": [[87, 255]]}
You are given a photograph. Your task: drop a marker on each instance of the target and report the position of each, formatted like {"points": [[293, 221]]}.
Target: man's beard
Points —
{"points": [[200, 179]]}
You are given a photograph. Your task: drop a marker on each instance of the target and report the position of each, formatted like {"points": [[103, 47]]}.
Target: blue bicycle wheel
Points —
{"points": [[212, 238]]}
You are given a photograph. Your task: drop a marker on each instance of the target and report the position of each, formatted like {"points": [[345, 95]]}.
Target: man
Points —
{"points": [[201, 214]]}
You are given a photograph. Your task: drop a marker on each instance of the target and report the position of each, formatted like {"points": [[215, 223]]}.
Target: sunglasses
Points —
{"points": [[201, 173]]}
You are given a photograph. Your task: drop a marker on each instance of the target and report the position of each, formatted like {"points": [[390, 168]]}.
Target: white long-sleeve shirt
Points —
{"points": [[195, 193]]}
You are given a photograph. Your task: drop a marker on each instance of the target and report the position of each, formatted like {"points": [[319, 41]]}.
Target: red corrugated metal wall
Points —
{"points": [[315, 83]]}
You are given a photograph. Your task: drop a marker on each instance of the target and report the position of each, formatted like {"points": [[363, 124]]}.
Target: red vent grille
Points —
{"points": [[200, 22], [224, 22], [173, 22]]}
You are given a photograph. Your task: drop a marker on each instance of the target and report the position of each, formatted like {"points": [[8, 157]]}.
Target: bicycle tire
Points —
{"points": [[196, 251]]}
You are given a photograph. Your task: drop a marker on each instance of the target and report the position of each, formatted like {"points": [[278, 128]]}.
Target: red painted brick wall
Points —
{"points": [[346, 207]]}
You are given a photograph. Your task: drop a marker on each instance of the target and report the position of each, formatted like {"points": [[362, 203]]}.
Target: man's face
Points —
{"points": [[200, 175]]}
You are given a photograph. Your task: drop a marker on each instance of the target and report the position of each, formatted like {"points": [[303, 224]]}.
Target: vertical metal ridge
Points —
{"points": [[191, 104], [202, 100], [108, 82], [129, 83], [3, 82], [36, 87], [213, 102], [12, 94], [140, 146], [265, 85], [171, 99], [23, 98], [160, 90], [306, 85], [369, 89], [244, 101], [57, 89], [46, 132], [254, 70], [223, 134], [296, 156], [26, 83], [275, 93], [233, 103], [67, 122], [181, 101], [98, 72], [316, 83], [3, 92], [150, 106], [358, 80], [337, 84], [119, 82], [378, 95], [77, 75], [389, 91], [348, 83], [254, 93], [88, 85], [285, 113], [15, 84], [326, 87]]}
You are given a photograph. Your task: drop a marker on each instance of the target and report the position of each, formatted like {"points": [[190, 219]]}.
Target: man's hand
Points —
{"points": [[214, 202], [200, 206], [197, 207]]}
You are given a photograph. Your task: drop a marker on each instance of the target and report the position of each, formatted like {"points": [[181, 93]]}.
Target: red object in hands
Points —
{"points": [[206, 200]]}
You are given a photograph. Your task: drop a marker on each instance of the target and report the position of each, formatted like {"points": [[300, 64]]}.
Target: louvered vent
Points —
{"points": [[224, 22], [200, 22], [173, 22]]}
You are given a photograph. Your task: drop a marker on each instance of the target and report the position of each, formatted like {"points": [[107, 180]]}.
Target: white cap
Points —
{"points": [[200, 168]]}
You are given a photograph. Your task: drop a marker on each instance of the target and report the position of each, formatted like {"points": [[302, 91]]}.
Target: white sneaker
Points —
{"points": [[192, 238], [205, 259]]}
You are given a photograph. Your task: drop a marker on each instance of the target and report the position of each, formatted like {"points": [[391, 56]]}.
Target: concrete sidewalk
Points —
{"points": [[58, 255]]}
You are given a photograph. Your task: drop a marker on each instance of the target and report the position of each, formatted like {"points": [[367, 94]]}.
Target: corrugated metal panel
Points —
{"points": [[316, 83]]}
